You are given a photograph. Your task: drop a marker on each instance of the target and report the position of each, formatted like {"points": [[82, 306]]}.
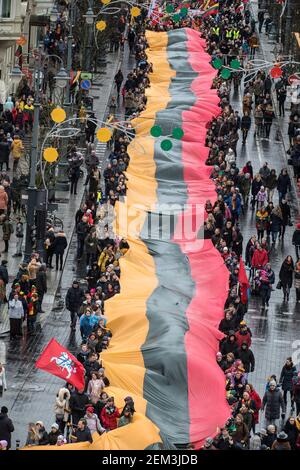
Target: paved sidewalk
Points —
{"points": [[268, 52], [31, 392]]}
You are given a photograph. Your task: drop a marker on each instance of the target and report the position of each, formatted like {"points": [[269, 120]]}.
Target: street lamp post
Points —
{"points": [[32, 189], [89, 19], [288, 27], [36, 199]]}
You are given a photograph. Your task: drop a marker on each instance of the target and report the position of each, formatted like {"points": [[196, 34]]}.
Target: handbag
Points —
{"points": [[279, 285]]}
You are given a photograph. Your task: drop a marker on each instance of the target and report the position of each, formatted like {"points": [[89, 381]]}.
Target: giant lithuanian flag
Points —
{"points": [[165, 320]]}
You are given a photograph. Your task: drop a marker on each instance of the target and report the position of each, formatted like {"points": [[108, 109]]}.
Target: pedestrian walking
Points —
{"points": [[283, 184], [297, 281], [286, 275], [118, 81], [272, 403], [286, 380], [19, 236], [41, 286], [74, 300], [3, 383], [59, 245], [8, 230]]}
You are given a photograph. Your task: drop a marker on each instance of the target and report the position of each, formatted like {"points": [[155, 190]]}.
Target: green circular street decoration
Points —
{"points": [[169, 8], [235, 64], [225, 74], [217, 63], [183, 12], [177, 133], [156, 131], [166, 145], [176, 17]]}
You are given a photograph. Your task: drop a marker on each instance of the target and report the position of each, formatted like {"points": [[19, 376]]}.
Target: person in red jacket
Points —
{"points": [[109, 415], [243, 335], [257, 400], [260, 257]]}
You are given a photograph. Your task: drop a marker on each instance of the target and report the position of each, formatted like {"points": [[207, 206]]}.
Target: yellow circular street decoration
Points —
{"points": [[104, 134], [50, 154], [135, 11], [58, 115], [101, 25], [105, 2]]}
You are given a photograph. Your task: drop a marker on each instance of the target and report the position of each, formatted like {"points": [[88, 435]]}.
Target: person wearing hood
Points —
{"points": [[281, 442], [272, 403], [61, 408], [59, 246], [129, 405], [286, 275], [243, 335], [286, 379], [17, 151], [230, 345], [6, 427], [8, 105], [87, 323], [53, 434], [247, 357]]}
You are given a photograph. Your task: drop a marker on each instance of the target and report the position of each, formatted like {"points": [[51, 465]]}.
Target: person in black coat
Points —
{"points": [[292, 432], [286, 216], [227, 324], [245, 126], [247, 357], [230, 345], [286, 378], [6, 427], [41, 285], [74, 300], [94, 273], [78, 403], [296, 240], [4, 154], [59, 246], [283, 184], [82, 433], [286, 276]]}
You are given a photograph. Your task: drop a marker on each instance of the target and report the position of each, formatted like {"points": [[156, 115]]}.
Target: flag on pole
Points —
{"points": [[211, 10], [243, 282], [58, 361]]}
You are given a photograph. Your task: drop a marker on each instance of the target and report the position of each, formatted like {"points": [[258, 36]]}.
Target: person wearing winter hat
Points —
{"points": [[53, 434], [296, 240], [281, 442], [93, 421], [272, 403]]}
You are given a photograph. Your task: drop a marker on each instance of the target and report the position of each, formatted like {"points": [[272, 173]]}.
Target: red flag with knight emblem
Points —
{"points": [[58, 361]]}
